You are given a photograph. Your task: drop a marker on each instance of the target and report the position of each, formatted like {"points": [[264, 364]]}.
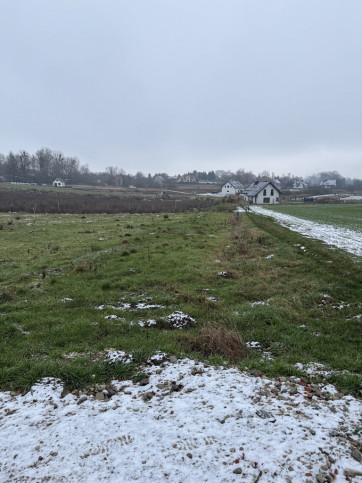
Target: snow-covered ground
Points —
{"points": [[352, 197], [348, 240], [188, 422]]}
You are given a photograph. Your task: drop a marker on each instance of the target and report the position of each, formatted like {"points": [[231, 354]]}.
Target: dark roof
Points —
{"points": [[257, 186], [236, 184]]}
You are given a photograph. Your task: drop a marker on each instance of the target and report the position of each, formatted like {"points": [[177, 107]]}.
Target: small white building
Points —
{"points": [[59, 182], [231, 188], [300, 184], [329, 183], [260, 192]]}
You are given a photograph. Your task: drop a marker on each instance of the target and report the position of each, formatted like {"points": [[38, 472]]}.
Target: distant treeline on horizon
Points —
{"points": [[45, 165]]}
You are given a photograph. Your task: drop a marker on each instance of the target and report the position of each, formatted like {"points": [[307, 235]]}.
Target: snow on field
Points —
{"points": [[352, 197], [348, 240], [188, 422]]}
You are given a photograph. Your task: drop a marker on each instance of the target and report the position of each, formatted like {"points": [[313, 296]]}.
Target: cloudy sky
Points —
{"points": [[176, 85]]}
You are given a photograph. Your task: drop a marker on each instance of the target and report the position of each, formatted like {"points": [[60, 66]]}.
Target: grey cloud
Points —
{"points": [[158, 86]]}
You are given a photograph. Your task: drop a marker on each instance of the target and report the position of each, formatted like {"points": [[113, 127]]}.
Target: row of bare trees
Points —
{"points": [[42, 167], [45, 165]]}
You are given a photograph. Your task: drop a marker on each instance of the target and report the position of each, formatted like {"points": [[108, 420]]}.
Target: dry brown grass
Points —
{"points": [[215, 339]]}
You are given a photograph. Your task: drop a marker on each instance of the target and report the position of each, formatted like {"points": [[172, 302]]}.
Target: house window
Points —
{"points": [[272, 192], [264, 192], [266, 200]]}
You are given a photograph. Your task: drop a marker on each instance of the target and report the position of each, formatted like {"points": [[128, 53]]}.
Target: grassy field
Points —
{"points": [[342, 215], [56, 271], [179, 190]]}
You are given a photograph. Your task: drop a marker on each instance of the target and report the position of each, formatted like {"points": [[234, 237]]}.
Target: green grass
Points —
{"points": [[110, 259], [341, 215]]}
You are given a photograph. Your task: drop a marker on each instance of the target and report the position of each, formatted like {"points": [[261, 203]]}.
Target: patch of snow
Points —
{"points": [[118, 356], [220, 423], [341, 305], [253, 345], [359, 316], [313, 369], [67, 299], [180, 320], [157, 358], [125, 306], [148, 323], [142, 306], [348, 240], [267, 356], [352, 197], [213, 299], [269, 256], [257, 346], [260, 302]]}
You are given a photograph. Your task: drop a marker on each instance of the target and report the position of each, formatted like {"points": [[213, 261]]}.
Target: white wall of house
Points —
{"points": [[58, 182], [268, 195], [228, 189]]}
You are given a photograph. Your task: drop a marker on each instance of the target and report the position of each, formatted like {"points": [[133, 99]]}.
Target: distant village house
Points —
{"points": [[187, 178], [329, 183], [260, 192], [300, 184], [231, 188], [59, 182]]}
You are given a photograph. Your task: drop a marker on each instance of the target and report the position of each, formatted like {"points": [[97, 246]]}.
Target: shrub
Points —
{"points": [[214, 339]]}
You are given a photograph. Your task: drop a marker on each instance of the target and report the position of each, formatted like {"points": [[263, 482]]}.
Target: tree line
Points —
{"points": [[45, 165]]}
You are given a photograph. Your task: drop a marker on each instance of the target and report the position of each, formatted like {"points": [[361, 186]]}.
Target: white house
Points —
{"points": [[329, 183], [231, 188], [260, 192], [59, 182], [300, 184]]}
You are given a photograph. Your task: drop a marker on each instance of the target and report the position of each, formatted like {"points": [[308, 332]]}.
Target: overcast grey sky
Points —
{"points": [[176, 85]]}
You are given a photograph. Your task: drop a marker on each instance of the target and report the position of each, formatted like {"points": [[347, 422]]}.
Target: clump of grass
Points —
{"points": [[81, 268], [215, 339], [7, 294]]}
